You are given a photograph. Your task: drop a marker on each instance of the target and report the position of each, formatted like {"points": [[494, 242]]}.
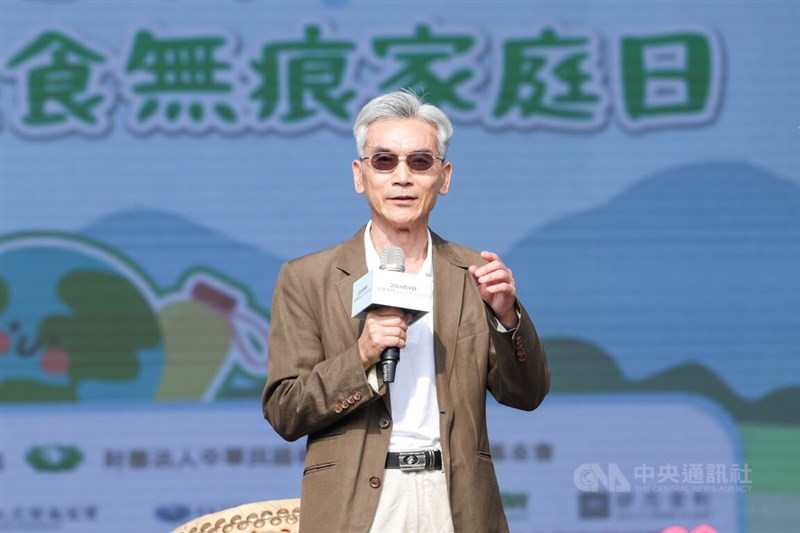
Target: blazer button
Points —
{"points": [[384, 422], [338, 408], [357, 396], [351, 399], [374, 482], [345, 405]]}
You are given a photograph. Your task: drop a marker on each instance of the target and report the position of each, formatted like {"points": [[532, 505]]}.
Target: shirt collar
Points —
{"points": [[374, 258]]}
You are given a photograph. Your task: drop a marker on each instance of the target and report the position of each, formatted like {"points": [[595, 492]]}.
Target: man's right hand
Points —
{"points": [[384, 327]]}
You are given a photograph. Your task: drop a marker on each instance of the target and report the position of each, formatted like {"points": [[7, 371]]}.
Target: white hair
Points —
{"points": [[402, 104]]}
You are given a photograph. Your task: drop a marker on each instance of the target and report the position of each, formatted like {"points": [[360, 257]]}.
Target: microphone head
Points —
{"points": [[393, 259]]}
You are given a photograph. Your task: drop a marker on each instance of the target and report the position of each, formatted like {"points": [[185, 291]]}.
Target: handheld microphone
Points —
{"points": [[394, 260], [390, 286]]}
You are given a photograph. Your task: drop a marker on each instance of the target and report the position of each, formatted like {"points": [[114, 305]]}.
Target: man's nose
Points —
{"points": [[402, 174]]}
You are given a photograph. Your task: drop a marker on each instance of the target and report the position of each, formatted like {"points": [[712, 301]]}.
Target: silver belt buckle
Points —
{"points": [[412, 461]]}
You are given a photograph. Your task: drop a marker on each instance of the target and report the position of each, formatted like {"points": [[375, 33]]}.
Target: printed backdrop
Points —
{"points": [[636, 164]]}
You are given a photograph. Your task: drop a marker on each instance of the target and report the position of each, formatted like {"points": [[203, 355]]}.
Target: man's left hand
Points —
{"points": [[496, 286]]}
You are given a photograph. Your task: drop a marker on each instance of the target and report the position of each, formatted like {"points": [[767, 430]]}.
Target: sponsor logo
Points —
{"points": [[594, 505], [704, 528], [173, 513], [179, 512], [45, 517], [54, 457], [514, 501]]}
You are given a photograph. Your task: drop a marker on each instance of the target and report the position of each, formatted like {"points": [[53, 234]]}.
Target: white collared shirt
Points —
{"points": [[415, 409]]}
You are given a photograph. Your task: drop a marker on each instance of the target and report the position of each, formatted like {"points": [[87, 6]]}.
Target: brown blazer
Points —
{"points": [[317, 387]]}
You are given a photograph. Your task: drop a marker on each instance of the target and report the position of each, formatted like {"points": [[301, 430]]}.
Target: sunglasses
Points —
{"points": [[416, 161]]}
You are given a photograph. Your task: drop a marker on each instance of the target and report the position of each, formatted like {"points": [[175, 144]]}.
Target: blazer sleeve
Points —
{"points": [[307, 389], [518, 373]]}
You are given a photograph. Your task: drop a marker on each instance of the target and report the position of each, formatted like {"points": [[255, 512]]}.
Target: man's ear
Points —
{"points": [[447, 171], [358, 181]]}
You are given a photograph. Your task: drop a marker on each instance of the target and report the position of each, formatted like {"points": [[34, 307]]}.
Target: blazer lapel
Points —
{"points": [[352, 261], [449, 277]]}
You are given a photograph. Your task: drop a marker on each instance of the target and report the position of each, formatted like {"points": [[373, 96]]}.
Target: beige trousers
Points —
{"points": [[413, 502]]}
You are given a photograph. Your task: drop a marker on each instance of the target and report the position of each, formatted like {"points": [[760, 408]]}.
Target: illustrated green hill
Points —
{"points": [[581, 367]]}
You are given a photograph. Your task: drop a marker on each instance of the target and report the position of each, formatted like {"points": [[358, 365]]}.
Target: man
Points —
{"points": [[322, 381]]}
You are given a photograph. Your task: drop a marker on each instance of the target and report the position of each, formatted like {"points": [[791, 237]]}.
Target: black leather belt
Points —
{"points": [[419, 460]]}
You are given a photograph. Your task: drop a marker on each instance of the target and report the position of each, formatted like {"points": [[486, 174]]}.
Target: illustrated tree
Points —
{"points": [[109, 324]]}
